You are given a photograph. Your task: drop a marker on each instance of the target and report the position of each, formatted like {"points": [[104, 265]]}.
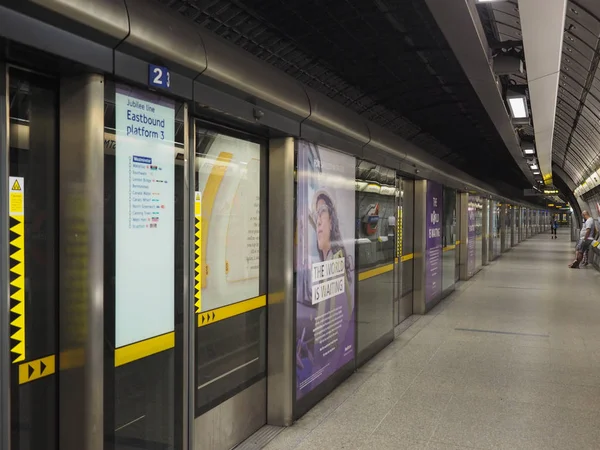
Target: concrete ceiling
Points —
{"points": [[576, 135], [387, 60]]}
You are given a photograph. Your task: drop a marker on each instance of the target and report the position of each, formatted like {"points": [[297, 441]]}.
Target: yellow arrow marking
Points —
{"points": [[225, 312], [36, 369]]}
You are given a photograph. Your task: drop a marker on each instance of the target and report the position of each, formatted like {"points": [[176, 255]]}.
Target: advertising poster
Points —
{"points": [[433, 246], [144, 215], [325, 268], [228, 175], [471, 239]]}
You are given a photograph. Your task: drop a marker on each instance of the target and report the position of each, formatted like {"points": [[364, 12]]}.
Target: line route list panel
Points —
{"points": [[144, 215], [147, 187]]}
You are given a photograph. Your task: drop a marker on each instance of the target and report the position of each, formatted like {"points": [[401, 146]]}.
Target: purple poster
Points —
{"points": [[433, 247], [471, 242], [325, 274]]}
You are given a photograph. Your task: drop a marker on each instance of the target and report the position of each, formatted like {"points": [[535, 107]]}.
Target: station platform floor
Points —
{"points": [[511, 360]]}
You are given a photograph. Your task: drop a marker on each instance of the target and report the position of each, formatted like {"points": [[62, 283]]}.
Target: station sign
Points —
{"points": [[539, 193], [159, 77]]}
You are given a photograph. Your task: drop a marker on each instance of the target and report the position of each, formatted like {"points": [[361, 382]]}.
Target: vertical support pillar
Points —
{"points": [[503, 228], [492, 230], [518, 224], [513, 226], [4, 265], [464, 236], [189, 309], [420, 242], [485, 232], [543, 220], [280, 298], [81, 252], [459, 225], [521, 224]]}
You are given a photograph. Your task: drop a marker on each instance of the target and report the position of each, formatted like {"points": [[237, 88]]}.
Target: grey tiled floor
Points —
{"points": [[439, 388]]}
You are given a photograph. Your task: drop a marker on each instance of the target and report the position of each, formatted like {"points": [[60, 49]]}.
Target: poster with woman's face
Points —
{"points": [[325, 264]]}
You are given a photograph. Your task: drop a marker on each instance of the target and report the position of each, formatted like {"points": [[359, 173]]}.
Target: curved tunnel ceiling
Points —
{"points": [[385, 59], [576, 142]]}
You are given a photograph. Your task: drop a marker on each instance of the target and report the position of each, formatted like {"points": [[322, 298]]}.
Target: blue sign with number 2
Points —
{"points": [[159, 76]]}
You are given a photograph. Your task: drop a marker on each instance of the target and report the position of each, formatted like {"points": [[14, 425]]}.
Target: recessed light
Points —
{"points": [[518, 108]]}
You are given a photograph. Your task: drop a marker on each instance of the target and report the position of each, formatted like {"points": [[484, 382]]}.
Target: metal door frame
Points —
{"points": [[398, 252], [4, 264], [6, 365]]}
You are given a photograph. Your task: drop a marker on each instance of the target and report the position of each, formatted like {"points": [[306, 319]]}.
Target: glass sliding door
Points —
{"points": [[144, 290], [33, 259], [229, 270], [375, 252], [449, 237]]}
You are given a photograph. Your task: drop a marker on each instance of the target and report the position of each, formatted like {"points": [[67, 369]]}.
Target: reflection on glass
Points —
{"points": [[376, 231], [407, 216], [496, 229], [230, 352], [33, 259], [449, 238], [479, 231], [376, 221], [142, 388]]}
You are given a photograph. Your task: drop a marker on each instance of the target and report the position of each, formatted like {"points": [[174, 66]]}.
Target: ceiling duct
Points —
{"points": [[508, 64]]}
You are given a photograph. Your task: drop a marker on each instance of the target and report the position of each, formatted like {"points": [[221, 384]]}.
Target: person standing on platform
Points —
{"points": [[554, 227], [585, 239]]}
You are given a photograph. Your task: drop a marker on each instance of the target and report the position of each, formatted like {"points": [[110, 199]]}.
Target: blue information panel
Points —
{"points": [[159, 76]]}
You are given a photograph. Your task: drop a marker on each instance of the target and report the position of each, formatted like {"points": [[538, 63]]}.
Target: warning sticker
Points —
{"points": [[17, 268], [198, 204], [198, 251], [16, 196]]}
